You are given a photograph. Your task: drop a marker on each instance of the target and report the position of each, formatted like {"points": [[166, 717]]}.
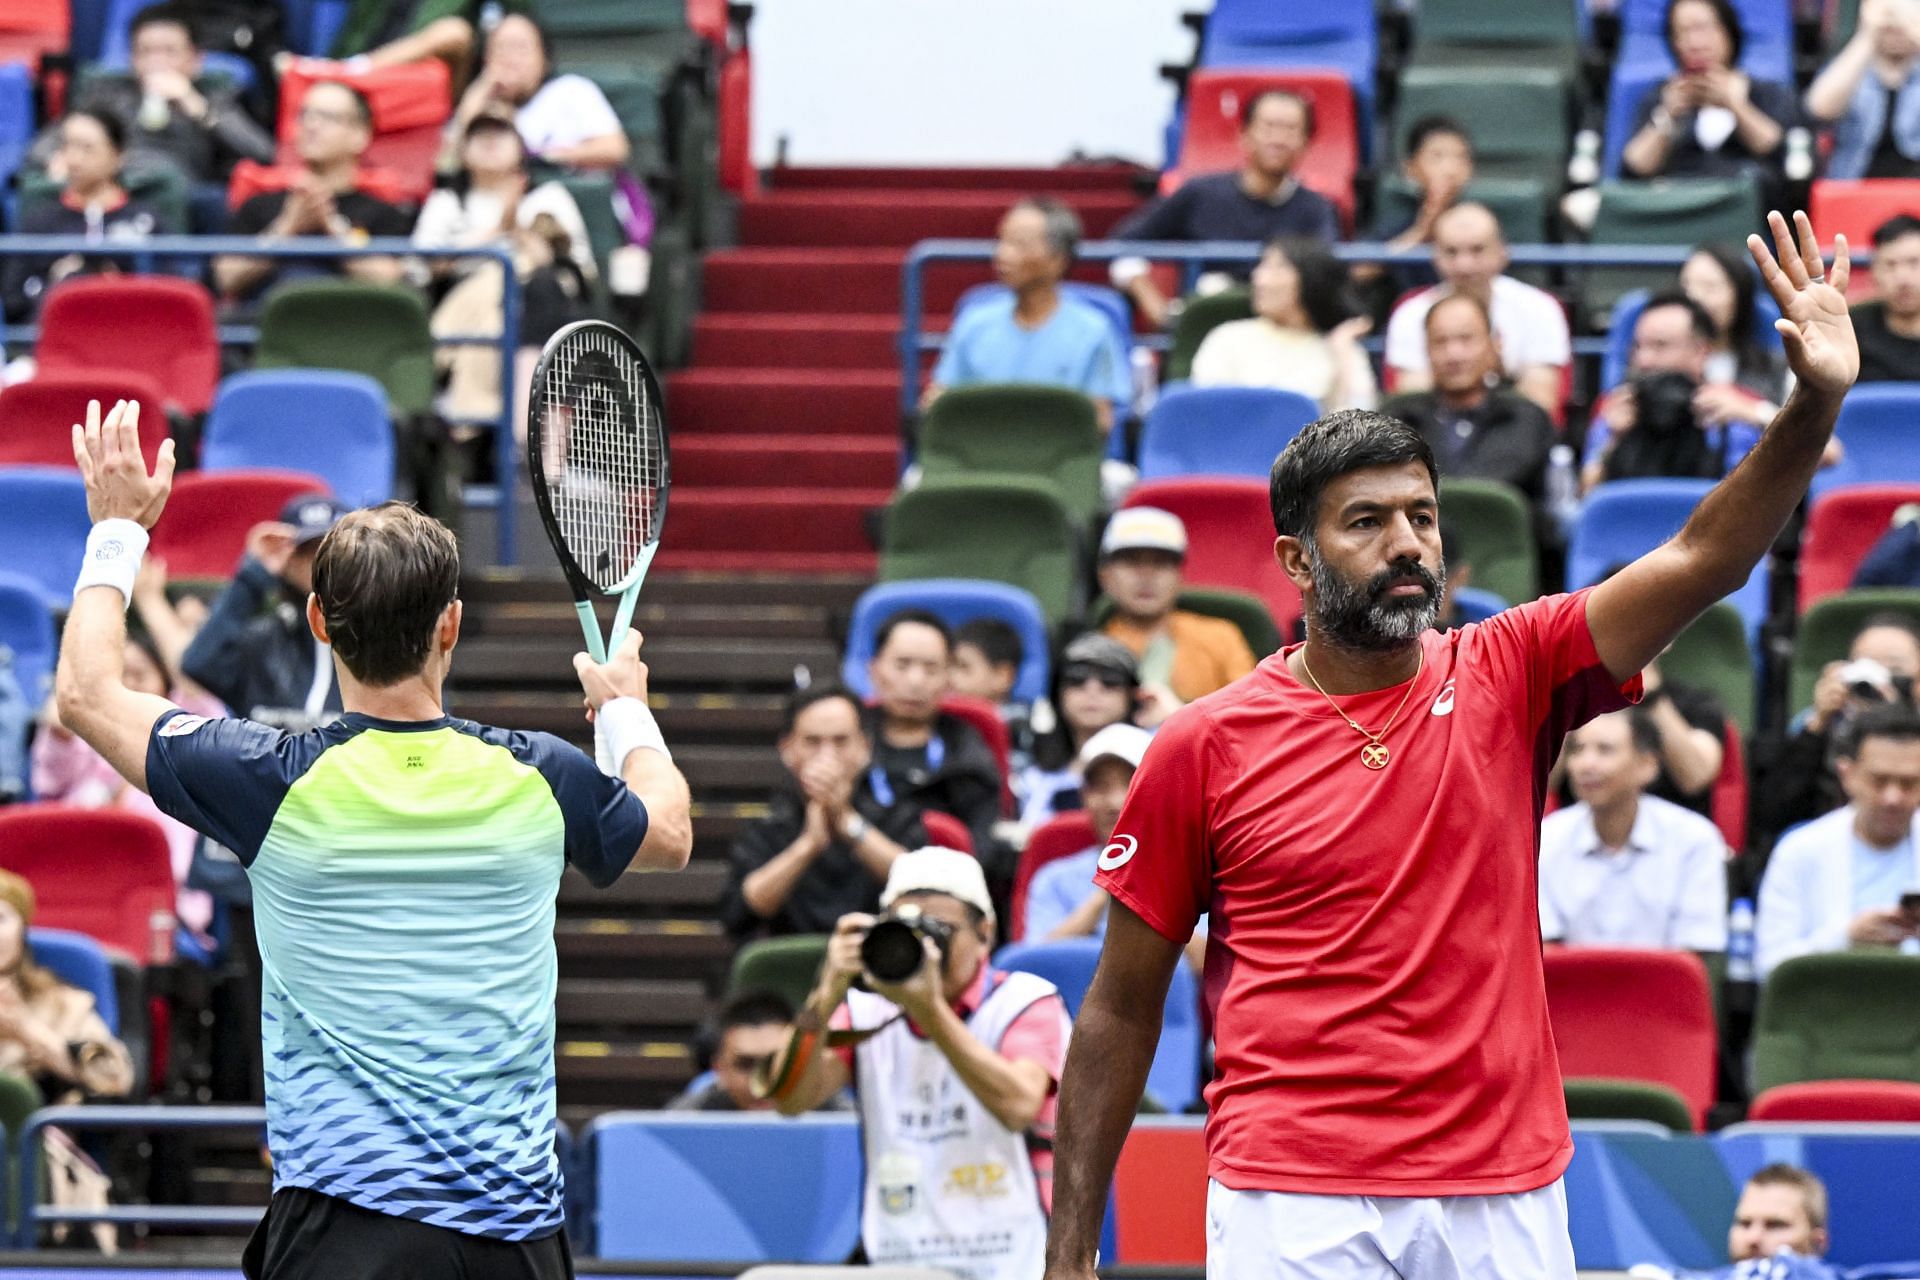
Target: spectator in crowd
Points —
{"points": [[957, 1098], [389, 33], [1779, 1231], [333, 129], [1475, 422], [1691, 726], [1262, 199], [256, 653], [1304, 335], [1623, 868], [1097, 684], [92, 203], [921, 754], [1888, 327], [987, 654], [825, 845], [1183, 655], [1894, 560], [1036, 332], [1470, 254], [1062, 901], [1794, 777], [565, 120], [1439, 165], [1870, 94], [1709, 119], [1721, 279], [1837, 882], [748, 1032]]}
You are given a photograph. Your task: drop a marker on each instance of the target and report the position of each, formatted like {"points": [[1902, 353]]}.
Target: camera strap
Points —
{"points": [[781, 1074]]}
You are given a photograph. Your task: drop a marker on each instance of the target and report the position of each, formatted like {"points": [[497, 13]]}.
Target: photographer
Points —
{"points": [[955, 1065]]}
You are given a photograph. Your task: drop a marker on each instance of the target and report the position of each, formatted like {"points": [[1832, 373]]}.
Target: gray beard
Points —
{"points": [[1362, 617]]}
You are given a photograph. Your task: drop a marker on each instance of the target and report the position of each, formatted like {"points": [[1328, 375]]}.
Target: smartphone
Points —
{"points": [[1910, 902]]}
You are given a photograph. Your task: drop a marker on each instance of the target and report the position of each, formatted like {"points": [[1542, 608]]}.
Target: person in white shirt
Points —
{"points": [[1838, 882], [490, 200], [1470, 255], [1622, 868], [1304, 335], [565, 120]]}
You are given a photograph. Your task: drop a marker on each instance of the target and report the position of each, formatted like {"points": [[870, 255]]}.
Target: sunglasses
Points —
{"points": [[1078, 674]]}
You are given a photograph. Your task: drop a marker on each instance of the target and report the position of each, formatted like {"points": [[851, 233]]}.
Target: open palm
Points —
{"points": [[1814, 323]]}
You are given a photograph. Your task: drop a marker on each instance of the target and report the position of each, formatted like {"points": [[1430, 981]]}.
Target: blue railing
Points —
{"points": [[150, 256]]}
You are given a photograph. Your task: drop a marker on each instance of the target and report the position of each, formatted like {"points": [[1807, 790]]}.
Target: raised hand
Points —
{"points": [[108, 455], [1821, 349]]}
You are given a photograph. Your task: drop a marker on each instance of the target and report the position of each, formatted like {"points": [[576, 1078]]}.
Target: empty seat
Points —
{"points": [[1229, 537], [1848, 1015], [1196, 320], [1665, 212], [203, 531], [1714, 654], [79, 961], [31, 28], [1333, 35], [1222, 431], [1540, 33], [1840, 1101], [1005, 529], [1827, 629], [330, 424], [1060, 836], [37, 416], [376, 329], [1517, 116], [26, 633], [1842, 526], [1856, 209], [1621, 1014], [1624, 519], [956, 601], [106, 873], [1209, 122], [43, 526], [153, 325], [1590, 1099], [946, 831], [1041, 433], [1878, 429], [1495, 528], [785, 965], [1626, 313], [16, 115]]}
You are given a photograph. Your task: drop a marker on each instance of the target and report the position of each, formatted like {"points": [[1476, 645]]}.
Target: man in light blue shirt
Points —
{"points": [[1036, 333]]}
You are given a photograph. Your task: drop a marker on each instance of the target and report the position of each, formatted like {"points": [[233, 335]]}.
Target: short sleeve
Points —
{"points": [[1160, 860], [605, 822], [952, 370], [1039, 1034], [588, 110], [1406, 335], [223, 778], [1541, 655], [1544, 338]]}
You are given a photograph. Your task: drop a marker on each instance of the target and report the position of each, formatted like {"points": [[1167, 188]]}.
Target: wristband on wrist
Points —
{"points": [[114, 551], [621, 727]]}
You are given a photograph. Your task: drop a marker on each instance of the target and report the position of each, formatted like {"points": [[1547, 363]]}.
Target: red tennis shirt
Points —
{"points": [[1373, 958]]}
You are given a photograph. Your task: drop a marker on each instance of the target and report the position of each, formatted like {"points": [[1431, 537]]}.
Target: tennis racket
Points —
{"points": [[597, 455]]}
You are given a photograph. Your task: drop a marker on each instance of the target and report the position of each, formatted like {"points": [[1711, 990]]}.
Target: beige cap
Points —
{"points": [[937, 870], [1144, 529]]}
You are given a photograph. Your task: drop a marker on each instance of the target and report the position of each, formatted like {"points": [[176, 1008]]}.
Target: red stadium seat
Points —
{"points": [[37, 416], [154, 325], [947, 831], [30, 28], [983, 717], [1623, 1014], [1224, 517], [1210, 132], [1059, 837], [1855, 209], [203, 531], [102, 872], [1856, 1101], [1842, 526], [1729, 803]]}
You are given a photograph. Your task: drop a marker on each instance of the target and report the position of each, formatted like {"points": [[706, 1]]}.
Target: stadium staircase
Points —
{"points": [[786, 422]]}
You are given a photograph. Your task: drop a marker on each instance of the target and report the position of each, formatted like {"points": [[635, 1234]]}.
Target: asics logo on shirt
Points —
{"points": [[1443, 705], [1118, 854]]}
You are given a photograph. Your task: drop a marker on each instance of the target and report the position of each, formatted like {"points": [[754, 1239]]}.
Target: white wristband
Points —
{"points": [[114, 551], [620, 728]]}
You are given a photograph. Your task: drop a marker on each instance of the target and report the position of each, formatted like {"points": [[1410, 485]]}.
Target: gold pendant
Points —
{"points": [[1374, 755]]}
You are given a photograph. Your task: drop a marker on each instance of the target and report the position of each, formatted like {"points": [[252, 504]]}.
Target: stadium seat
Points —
{"points": [[1594, 1099], [330, 424], [1665, 212], [1517, 117], [1625, 1014], [946, 831], [986, 721], [203, 531], [37, 416], [593, 194], [106, 873], [1728, 802], [31, 28], [1474, 605], [1060, 836], [79, 961], [1766, 25], [1518, 204], [43, 526], [1626, 313], [1245, 612], [1495, 526], [26, 634], [1220, 431], [376, 329], [1715, 654], [1842, 526], [1042, 433], [1827, 629], [1201, 316], [1105, 299], [1848, 1015], [1224, 546], [1005, 529], [154, 325], [956, 601], [1876, 434], [1504, 33], [636, 95], [16, 116], [1625, 519], [1856, 208], [1840, 1101], [1210, 128], [785, 965], [1333, 35]]}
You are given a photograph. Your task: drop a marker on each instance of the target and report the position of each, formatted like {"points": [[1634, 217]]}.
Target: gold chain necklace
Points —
{"points": [[1374, 755]]}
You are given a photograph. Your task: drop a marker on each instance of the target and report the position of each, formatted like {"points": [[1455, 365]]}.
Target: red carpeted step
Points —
{"points": [[784, 519], [771, 461], [836, 280], [876, 218], [1117, 177], [799, 402], [752, 340], [824, 563]]}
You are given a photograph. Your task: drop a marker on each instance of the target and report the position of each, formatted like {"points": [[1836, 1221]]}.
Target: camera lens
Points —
{"points": [[891, 951]]}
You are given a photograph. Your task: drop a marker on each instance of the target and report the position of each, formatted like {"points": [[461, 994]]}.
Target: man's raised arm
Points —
{"points": [[1638, 612]]}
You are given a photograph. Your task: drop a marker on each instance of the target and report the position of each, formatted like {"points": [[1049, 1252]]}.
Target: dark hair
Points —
{"points": [[753, 1009], [1729, 19], [1740, 272], [813, 695], [362, 107], [1890, 618], [540, 36], [1645, 733], [383, 576], [996, 640], [1702, 323], [154, 15], [461, 182], [1062, 224], [142, 639], [1900, 224], [1336, 445], [1436, 127], [1895, 721], [1450, 549], [1486, 315], [1252, 108], [924, 617], [109, 124], [1055, 749], [1324, 292]]}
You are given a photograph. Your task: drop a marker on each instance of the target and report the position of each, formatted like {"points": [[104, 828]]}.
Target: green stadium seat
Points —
{"points": [[1494, 525], [1007, 529], [786, 966], [1518, 117], [1201, 316], [591, 34], [1253, 618], [1827, 628], [1013, 429], [1668, 212], [636, 95], [1713, 654], [1589, 1099], [376, 329], [593, 192], [1520, 205], [1844, 1016], [1507, 33]]}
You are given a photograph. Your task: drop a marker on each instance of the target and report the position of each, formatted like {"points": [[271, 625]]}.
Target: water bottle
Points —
{"points": [[1563, 487], [1798, 165], [153, 113], [1740, 941], [1584, 169]]}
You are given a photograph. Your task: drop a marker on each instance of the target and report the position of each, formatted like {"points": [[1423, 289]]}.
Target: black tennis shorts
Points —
{"points": [[309, 1236]]}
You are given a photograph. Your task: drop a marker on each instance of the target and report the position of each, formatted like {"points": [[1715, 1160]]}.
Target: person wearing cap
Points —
{"points": [[1142, 555], [1096, 684], [956, 1072], [1062, 901], [256, 653]]}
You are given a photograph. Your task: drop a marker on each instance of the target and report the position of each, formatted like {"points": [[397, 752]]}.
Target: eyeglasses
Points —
{"points": [[324, 116], [1078, 674]]}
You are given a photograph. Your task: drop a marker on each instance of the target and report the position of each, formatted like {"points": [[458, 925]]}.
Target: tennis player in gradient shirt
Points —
{"points": [[1359, 819]]}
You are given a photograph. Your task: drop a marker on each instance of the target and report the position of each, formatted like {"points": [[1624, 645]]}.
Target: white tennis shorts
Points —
{"points": [[1280, 1235]]}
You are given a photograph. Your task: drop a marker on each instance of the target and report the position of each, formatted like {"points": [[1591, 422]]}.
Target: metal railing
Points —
{"points": [[154, 254]]}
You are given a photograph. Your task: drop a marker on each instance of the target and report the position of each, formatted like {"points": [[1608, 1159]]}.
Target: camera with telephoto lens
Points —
{"points": [[892, 951], [1663, 404]]}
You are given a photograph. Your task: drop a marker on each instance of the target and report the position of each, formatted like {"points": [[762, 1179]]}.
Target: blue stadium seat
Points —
{"points": [[89, 29], [1767, 27], [1109, 302], [1336, 35], [26, 631], [16, 116], [43, 526], [1625, 519], [1619, 352], [1877, 430], [1475, 605], [1174, 1078], [331, 424], [78, 961], [1221, 431], [956, 600]]}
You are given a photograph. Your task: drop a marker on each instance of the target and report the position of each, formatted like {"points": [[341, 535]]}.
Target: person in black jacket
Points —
{"points": [[255, 653]]}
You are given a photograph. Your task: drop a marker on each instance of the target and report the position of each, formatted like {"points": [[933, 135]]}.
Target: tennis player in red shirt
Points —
{"points": [[1359, 820]]}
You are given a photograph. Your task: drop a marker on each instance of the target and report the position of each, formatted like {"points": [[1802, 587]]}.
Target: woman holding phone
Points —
{"points": [[1709, 119]]}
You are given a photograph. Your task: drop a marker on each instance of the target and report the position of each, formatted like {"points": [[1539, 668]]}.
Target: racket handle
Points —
{"points": [[596, 647], [622, 617]]}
